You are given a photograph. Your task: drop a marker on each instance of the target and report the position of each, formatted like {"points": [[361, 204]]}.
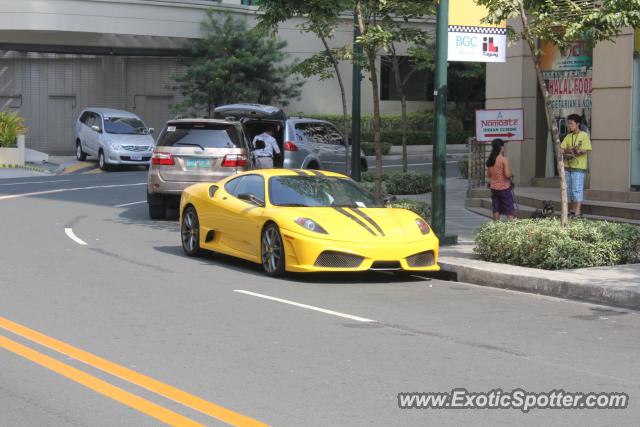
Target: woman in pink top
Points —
{"points": [[499, 172]]}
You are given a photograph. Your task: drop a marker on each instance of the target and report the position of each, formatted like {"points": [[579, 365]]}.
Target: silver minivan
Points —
{"points": [[305, 143], [189, 151], [115, 137]]}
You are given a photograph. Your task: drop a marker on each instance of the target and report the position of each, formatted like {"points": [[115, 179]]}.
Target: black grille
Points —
{"points": [[128, 158], [423, 259], [386, 265], [333, 259]]}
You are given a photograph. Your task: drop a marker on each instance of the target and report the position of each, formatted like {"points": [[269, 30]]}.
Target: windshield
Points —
{"points": [[125, 126], [319, 191], [211, 135]]}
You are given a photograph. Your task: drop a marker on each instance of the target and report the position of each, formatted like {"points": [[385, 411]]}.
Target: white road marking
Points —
{"points": [[36, 182], [309, 307], [72, 236], [63, 190], [130, 204]]}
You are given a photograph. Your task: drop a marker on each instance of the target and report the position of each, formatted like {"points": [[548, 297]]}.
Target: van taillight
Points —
{"points": [[164, 159], [290, 146], [234, 161]]}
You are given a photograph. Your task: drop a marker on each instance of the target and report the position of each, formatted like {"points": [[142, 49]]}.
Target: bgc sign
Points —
{"points": [[477, 44], [470, 39]]}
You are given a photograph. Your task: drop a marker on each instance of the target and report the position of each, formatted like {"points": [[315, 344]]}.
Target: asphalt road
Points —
{"points": [[125, 330], [417, 163]]}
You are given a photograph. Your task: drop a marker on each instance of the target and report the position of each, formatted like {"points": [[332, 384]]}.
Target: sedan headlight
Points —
{"points": [[310, 225], [116, 147], [423, 226]]}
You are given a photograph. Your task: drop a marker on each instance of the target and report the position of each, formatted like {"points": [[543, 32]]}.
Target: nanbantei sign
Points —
{"points": [[507, 125], [470, 39]]}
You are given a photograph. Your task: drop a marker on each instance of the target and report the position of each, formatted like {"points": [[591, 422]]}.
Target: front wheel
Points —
{"points": [[102, 161], [80, 155], [272, 251], [190, 232]]}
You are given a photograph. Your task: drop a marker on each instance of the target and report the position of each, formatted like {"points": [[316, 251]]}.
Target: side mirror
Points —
{"points": [[96, 128], [151, 130], [251, 199], [259, 144]]}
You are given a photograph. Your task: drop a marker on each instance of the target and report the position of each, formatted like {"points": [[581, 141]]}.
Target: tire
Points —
{"points": [[190, 232], [80, 155], [102, 161], [157, 211], [313, 166], [272, 251]]}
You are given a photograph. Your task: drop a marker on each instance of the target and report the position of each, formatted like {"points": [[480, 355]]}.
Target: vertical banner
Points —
{"points": [[471, 40]]}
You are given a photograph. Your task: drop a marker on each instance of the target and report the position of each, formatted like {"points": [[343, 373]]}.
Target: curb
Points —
{"points": [[530, 280], [25, 167]]}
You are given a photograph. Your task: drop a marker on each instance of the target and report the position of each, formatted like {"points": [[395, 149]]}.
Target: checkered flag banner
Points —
{"points": [[479, 30]]}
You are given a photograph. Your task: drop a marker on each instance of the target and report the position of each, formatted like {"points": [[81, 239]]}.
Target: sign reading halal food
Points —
{"points": [[470, 39], [507, 125]]}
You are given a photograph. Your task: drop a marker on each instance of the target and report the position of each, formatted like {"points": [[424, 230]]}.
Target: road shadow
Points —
{"points": [[138, 215], [247, 267]]}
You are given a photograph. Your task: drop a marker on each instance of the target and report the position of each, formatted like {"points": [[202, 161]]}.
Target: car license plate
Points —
{"points": [[198, 163], [136, 157]]}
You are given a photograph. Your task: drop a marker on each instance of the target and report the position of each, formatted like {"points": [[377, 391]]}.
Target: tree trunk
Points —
{"points": [[345, 114], [403, 103], [551, 121]]}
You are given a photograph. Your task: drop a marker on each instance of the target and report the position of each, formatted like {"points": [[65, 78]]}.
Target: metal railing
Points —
{"points": [[478, 153]]}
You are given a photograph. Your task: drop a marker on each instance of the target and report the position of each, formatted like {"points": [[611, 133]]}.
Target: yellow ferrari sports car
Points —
{"points": [[303, 221]]}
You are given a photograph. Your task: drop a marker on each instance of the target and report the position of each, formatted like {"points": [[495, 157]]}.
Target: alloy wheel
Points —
{"points": [[272, 253], [190, 232]]}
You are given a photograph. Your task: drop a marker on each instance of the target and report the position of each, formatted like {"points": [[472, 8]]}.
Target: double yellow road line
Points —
{"points": [[118, 394]]}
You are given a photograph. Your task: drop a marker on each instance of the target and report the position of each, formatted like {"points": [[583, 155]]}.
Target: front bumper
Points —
{"points": [[125, 157], [302, 252]]}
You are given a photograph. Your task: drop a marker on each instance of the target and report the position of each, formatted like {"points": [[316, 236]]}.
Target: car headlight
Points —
{"points": [[423, 226], [310, 225], [116, 147]]}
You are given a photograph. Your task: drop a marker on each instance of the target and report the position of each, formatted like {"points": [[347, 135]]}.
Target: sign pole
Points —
{"points": [[439, 173], [355, 105]]}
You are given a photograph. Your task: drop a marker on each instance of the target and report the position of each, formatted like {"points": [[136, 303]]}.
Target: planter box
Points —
{"points": [[11, 156]]}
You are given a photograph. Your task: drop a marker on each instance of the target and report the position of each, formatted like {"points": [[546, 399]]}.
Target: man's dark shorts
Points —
{"points": [[502, 201]]}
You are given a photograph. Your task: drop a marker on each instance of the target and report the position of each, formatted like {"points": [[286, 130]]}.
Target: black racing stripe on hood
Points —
{"points": [[355, 219], [299, 172], [315, 172], [368, 218]]}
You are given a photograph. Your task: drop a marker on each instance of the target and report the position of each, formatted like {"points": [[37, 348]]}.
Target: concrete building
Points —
{"points": [[60, 56], [603, 86]]}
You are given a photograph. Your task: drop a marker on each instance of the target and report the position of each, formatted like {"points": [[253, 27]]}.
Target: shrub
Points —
{"points": [[370, 186], [401, 183], [546, 244], [11, 125], [463, 166], [369, 148], [421, 208]]}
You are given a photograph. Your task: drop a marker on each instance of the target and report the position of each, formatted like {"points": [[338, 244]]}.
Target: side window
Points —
{"points": [[88, 120], [231, 186], [334, 136], [98, 120], [251, 184], [317, 133], [83, 117], [301, 132]]}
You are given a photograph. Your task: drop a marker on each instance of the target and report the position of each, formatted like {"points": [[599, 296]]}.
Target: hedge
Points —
{"points": [[545, 244], [399, 183], [369, 148], [420, 128], [421, 208]]}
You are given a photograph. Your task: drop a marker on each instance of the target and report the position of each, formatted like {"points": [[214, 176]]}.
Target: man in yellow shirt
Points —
{"points": [[574, 150]]}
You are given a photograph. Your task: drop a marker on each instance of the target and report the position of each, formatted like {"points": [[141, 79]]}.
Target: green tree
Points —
{"points": [[562, 22], [320, 18], [232, 63]]}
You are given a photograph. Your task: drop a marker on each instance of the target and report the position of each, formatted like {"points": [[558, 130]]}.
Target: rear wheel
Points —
{"points": [[272, 251], [157, 211], [190, 232], [80, 155]]}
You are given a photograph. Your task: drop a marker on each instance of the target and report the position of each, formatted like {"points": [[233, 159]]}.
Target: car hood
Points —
{"points": [[129, 139], [358, 225]]}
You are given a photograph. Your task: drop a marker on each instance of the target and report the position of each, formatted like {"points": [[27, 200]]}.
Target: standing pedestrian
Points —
{"points": [[499, 173], [574, 150], [264, 156]]}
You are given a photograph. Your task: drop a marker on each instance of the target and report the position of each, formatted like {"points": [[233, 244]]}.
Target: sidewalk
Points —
{"points": [[616, 286]]}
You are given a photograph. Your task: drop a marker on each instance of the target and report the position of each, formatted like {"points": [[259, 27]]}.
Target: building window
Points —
{"points": [[419, 87]]}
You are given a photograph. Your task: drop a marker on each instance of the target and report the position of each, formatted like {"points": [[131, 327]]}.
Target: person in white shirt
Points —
{"points": [[263, 157]]}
